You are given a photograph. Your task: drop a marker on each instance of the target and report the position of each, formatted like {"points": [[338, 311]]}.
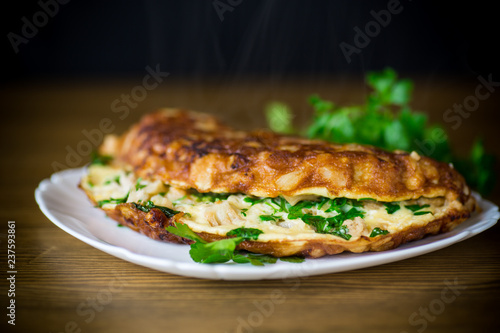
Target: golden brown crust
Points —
{"points": [[153, 224], [194, 150]]}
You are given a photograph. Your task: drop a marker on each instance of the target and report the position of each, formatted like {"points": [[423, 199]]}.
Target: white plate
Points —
{"points": [[69, 208]]}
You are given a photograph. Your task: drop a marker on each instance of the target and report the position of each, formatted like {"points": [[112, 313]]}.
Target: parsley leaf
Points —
{"points": [[414, 208], [253, 200], [295, 212], [220, 251], [149, 204], [246, 233], [97, 159], [391, 208], [377, 231], [281, 203], [422, 213], [215, 252], [117, 201], [478, 168], [115, 179], [292, 259], [184, 231], [263, 258], [269, 218], [138, 184], [210, 197]]}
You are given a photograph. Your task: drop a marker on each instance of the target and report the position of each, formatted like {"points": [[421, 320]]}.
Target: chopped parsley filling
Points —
{"points": [[116, 201], [377, 231], [391, 208], [210, 196], [149, 205], [345, 209]]}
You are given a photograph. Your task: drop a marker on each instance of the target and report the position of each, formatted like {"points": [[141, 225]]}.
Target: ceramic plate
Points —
{"points": [[68, 207]]}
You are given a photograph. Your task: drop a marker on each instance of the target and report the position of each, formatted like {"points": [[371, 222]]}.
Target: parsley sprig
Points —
{"points": [[386, 120], [224, 250]]}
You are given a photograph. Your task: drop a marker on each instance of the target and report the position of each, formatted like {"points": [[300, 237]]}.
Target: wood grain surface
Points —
{"points": [[65, 285]]}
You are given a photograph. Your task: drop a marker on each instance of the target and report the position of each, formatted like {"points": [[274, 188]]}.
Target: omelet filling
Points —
{"points": [[292, 218]]}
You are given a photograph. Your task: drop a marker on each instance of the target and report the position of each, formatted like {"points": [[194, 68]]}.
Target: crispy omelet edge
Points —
{"points": [[189, 149]]}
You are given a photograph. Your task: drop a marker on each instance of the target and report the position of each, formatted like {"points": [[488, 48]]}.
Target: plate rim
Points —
{"points": [[280, 270]]}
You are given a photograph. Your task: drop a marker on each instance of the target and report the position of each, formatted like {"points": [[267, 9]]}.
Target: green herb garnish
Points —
{"points": [[269, 218], [292, 259], [97, 159], [149, 205], [391, 208], [115, 180], [219, 251], [386, 120], [138, 184], [117, 201], [183, 230], [421, 213], [209, 197], [254, 200], [414, 208], [377, 231], [295, 212], [246, 233], [176, 201], [345, 208]]}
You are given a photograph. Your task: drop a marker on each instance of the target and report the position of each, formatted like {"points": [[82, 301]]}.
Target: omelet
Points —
{"points": [[308, 197]]}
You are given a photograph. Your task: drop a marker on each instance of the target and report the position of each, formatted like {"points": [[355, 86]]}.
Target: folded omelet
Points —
{"points": [[309, 197]]}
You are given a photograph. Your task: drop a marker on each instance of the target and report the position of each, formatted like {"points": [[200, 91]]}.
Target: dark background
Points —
{"points": [[278, 38]]}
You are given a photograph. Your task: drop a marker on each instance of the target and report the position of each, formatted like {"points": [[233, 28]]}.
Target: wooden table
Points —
{"points": [[65, 285]]}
